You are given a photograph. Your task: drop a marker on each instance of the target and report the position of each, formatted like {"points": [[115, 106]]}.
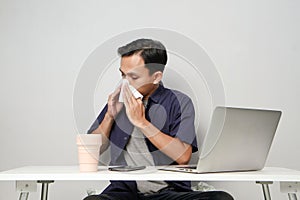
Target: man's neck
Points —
{"points": [[155, 86]]}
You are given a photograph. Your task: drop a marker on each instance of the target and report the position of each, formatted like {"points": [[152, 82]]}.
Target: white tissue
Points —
{"points": [[135, 93]]}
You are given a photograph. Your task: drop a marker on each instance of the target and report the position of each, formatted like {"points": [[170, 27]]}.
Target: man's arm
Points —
{"points": [[171, 146], [104, 129], [113, 108]]}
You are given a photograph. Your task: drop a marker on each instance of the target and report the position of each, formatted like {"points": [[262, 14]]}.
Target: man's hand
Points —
{"points": [[114, 106], [172, 147], [135, 109]]}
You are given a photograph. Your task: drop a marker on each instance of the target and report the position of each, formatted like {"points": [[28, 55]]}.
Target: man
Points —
{"points": [[155, 130]]}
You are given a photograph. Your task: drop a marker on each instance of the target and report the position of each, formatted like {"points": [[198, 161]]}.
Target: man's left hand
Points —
{"points": [[135, 109]]}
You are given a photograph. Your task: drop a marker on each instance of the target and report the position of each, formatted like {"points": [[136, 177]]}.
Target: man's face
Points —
{"points": [[133, 69]]}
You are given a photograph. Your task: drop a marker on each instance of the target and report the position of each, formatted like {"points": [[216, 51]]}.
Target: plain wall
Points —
{"points": [[255, 46]]}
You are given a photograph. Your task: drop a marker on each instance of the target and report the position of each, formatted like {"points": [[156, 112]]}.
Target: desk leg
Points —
{"points": [[291, 188], [44, 192], [265, 188], [24, 195], [25, 187], [292, 196]]}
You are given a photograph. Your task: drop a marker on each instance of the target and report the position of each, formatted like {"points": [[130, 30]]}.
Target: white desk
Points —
{"points": [[289, 179]]}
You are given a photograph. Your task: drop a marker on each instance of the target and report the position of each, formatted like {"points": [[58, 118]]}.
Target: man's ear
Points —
{"points": [[157, 77]]}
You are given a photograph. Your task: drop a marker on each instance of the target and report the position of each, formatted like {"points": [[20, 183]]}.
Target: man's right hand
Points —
{"points": [[114, 106]]}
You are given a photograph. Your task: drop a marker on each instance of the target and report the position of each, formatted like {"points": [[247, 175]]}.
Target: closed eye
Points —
{"points": [[134, 77]]}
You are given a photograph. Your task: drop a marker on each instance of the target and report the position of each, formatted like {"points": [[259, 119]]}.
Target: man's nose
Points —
{"points": [[124, 77], [129, 81]]}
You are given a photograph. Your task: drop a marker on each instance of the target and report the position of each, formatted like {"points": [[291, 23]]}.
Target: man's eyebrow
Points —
{"points": [[129, 73]]}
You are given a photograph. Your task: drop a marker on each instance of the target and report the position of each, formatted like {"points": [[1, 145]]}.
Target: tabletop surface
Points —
{"points": [[150, 173]]}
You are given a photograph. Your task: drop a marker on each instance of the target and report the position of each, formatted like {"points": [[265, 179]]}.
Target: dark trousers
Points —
{"points": [[168, 195]]}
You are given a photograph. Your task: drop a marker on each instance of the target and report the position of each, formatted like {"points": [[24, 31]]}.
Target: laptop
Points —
{"points": [[238, 139]]}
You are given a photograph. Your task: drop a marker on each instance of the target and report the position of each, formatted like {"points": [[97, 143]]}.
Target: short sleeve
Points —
{"points": [[182, 126], [98, 121]]}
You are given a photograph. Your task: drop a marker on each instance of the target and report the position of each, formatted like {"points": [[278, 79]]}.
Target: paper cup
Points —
{"points": [[88, 151]]}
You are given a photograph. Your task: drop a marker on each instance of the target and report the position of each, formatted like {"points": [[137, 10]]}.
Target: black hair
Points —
{"points": [[153, 53]]}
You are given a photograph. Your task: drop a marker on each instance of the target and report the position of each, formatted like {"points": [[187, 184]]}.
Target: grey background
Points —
{"points": [[255, 46]]}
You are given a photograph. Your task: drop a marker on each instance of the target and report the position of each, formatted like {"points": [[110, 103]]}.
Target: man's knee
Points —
{"points": [[91, 197], [99, 197], [221, 195]]}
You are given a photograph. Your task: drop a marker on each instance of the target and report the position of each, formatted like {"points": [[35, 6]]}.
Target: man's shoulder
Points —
{"points": [[170, 97], [175, 99], [179, 95]]}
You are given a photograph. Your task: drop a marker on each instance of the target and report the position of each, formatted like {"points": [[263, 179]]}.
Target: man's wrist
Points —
{"points": [[109, 118], [142, 125], [149, 130]]}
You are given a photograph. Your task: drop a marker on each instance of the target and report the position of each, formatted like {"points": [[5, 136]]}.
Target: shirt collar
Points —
{"points": [[155, 96]]}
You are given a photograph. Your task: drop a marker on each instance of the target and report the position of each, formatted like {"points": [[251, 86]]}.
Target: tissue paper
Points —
{"points": [[135, 93]]}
